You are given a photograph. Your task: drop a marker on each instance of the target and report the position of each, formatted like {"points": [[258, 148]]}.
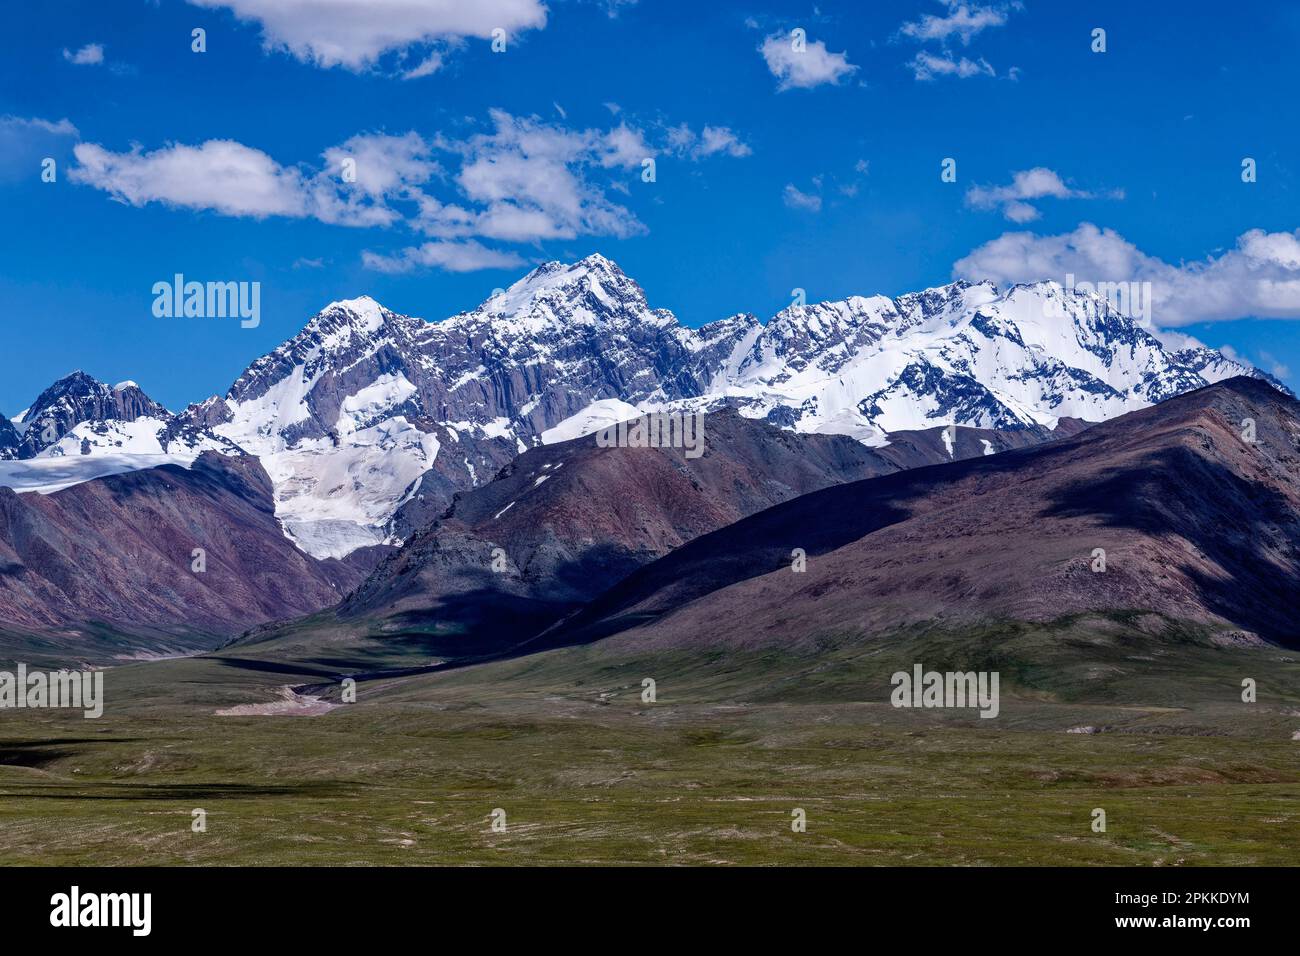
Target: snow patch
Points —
{"points": [[599, 414]]}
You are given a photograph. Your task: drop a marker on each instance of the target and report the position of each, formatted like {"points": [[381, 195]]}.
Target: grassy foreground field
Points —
{"points": [[710, 773]]}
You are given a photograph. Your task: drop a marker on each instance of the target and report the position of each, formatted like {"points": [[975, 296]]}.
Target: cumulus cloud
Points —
{"points": [[625, 147], [802, 64], [523, 181], [222, 175], [92, 54], [1259, 277], [468, 256], [531, 179], [355, 34], [383, 165], [962, 21], [1037, 183]]}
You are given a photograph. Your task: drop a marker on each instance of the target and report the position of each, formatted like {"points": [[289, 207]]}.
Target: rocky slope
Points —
{"points": [[365, 408], [563, 522], [1197, 524], [118, 553]]}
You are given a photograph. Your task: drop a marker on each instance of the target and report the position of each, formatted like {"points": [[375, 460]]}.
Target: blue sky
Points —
{"points": [[774, 169]]}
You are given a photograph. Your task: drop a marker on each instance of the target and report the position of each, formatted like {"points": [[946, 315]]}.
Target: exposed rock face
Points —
{"points": [[368, 421], [79, 415], [563, 522], [10, 440], [1196, 523]]}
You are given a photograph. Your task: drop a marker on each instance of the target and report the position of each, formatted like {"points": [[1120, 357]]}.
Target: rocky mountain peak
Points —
{"points": [[78, 398], [367, 420]]}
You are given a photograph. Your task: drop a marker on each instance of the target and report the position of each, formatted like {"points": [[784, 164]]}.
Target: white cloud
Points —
{"points": [[1037, 183], [384, 165], [1259, 277], [1173, 339], [710, 141], [468, 256], [805, 67], [1270, 364], [220, 174], [625, 147], [523, 181], [230, 178], [928, 66], [962, 20], [19, 125], [92, 54], [427, 67], [795, 198], [355, 33], [1266, 360], [720, 139], [531, 176]]}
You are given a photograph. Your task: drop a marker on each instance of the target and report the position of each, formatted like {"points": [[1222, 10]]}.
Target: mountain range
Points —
{"points": [[1186, 513], [368, 422], [564, 522]]}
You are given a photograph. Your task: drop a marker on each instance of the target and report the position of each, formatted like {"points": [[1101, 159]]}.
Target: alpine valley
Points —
{"points": [[407, 537]]}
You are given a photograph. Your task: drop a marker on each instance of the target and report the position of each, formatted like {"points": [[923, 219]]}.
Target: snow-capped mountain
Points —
{"points": [[79, 415], [367, 416], [369, 421], [962, 354]]}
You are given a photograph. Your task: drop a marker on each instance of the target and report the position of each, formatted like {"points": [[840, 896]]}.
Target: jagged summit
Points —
{"points": [[592, 290], [78, 415], [368, 420]]}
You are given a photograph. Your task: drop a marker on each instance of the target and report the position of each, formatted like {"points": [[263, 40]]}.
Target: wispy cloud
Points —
{"points": [[929, 66], [796, 198], [961, 23], [468, 256], [710, 141], [92, 54]]}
